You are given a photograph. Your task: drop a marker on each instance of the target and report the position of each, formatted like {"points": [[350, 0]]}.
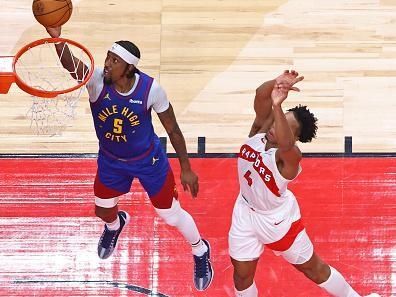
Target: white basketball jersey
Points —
{"points": [[262, 185]]}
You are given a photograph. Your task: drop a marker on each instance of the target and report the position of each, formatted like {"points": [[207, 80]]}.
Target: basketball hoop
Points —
{"points": [[37, 69], [7, 75]]}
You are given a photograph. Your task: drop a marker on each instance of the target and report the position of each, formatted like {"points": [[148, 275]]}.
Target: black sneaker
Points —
{"points": [[203, 272], [108, 240]]}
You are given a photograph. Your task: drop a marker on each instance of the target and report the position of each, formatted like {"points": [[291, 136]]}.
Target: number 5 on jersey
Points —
{"points": [[117, 126]]}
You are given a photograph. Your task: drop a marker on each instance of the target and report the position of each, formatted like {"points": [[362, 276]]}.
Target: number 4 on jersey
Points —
{"points": [[248, 178]]}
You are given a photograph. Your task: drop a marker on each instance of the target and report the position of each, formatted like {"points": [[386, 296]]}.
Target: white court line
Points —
{"points": [[155, 258], [393, 271]]}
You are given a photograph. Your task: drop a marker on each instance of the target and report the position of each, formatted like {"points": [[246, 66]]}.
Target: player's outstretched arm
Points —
{"points": [[76, 68], [288, 153], [263, 108], [263, 102], [188, 177]]}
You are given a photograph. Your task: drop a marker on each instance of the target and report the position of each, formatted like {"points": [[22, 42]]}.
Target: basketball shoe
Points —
{"points": [[203, 272], [108, 240]]}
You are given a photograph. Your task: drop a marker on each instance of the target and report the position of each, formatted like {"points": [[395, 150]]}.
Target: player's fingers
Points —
{"points": [[295, 89], [190, 189], [195, 189], [284, 86], [280, 85], [185, 188]]}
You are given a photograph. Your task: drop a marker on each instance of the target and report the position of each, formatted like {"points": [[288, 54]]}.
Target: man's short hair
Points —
{"points": [[307, 121]]}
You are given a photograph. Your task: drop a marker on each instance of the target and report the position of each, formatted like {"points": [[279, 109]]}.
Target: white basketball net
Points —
{"points": [[51, 116], [40, 67]]}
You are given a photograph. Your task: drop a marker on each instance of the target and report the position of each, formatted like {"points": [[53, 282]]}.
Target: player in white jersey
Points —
{"points": [[266, 213]]}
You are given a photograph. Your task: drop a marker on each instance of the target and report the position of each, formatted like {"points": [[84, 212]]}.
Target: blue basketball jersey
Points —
{"points": [[123, 124]]}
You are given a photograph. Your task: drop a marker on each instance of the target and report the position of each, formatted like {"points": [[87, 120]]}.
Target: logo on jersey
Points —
{"points": [[107, 96], [120, 119], [249, 154], [135, 101]]}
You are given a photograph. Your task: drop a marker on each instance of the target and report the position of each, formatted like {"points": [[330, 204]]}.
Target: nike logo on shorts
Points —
{"points": [[277, 223]]}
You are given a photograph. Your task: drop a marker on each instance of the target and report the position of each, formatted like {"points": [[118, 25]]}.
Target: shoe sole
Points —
{"points": [[209, 248]]}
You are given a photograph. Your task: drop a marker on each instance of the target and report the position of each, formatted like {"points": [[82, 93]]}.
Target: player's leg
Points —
{"points": [[169, 209], [163, 195], [108, 186], [327, 277], [244, 272], [302, 256], [244, 249], [177, 217]]}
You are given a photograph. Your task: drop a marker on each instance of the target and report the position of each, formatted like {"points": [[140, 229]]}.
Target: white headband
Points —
{"points": [[124, 54]]}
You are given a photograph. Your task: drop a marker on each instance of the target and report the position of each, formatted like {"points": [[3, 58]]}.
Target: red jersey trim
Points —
{"points": [[286, 241], [249, 154]]}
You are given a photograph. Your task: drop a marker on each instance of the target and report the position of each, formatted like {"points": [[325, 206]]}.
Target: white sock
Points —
{"points": [[336, 285], [249, 292], [183, 221], [199, 248], [187, 227], [114, 225]]}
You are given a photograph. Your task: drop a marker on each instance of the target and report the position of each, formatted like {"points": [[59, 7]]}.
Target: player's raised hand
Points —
{"points": [[283, 84], [290, 77], [54, 32], [280, 91]]}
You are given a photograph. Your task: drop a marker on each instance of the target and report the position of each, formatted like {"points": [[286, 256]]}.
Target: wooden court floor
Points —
{"points": [[210, 55]]}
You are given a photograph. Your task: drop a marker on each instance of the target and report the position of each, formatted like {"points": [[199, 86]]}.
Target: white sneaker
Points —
{"points": [[373, 295]]}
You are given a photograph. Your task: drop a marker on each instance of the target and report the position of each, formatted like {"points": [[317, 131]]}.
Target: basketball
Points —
{"points": [[52, 13]]}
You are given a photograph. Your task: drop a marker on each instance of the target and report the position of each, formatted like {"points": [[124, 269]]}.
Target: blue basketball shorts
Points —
{"points": [[114, 177]]}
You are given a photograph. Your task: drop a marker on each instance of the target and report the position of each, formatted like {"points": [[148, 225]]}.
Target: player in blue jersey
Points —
{"points": [[121, 99]]}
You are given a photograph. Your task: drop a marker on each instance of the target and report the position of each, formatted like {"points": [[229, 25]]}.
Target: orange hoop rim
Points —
{"points": [[43, 93]]}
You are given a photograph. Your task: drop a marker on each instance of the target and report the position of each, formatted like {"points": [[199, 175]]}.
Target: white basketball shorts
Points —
{"points": [[282, 231]]}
